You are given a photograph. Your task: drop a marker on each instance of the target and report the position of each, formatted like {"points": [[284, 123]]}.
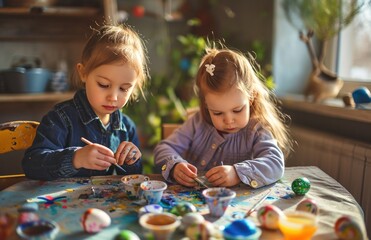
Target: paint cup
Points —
{"points": [[40, 230], [159, 226], [297, 225], [218, 199], [132, 185], [153, 190]]}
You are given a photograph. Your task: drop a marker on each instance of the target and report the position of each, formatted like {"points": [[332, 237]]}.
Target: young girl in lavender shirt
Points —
{"points": [[238, 135]]}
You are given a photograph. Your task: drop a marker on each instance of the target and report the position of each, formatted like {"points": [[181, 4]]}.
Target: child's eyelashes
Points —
{"points": [[124, 90], [103, 85], [238, 110], [234, 111]]}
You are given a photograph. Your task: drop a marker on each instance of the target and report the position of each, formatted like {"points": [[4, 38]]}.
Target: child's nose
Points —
{"points": [[228, 119], [112, 96]]}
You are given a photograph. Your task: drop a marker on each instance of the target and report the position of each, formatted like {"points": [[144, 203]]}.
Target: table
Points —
{"points": [[333, 201]]}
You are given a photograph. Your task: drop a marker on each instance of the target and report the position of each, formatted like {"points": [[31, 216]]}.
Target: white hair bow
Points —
{"points": [[210, 69]]}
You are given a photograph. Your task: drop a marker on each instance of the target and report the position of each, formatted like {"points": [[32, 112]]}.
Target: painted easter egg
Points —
{"points": [[192, 218], [7, 223], [28, 213], [346, 229], [300, 186], [308, 205], [202, 231], [361, 95], [241, 229], [127, 235], [268, 216], [151, 208], [182, 208], [94, 220]]}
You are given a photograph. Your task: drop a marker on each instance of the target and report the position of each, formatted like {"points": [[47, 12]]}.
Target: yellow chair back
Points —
{"points": [[14, 136], [17, 135]]}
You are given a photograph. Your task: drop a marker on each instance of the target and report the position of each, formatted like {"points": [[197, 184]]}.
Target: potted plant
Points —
{"points": [[324, 20]]}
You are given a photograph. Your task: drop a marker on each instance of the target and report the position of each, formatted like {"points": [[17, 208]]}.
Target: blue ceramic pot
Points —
{"points": [[22, 80]]}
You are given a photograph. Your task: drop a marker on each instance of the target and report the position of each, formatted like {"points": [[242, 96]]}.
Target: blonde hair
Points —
{"points": [[232, 68], [111, 44]]}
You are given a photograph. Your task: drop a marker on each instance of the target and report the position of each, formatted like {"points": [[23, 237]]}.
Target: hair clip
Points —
{"points": [[210, 69]]}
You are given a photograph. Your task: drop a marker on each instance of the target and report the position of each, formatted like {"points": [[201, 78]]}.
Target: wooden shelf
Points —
{"points": [[50, 11], [35, 97]]}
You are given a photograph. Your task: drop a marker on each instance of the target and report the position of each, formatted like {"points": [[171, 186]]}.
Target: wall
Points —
{"points": [[291, 62]]}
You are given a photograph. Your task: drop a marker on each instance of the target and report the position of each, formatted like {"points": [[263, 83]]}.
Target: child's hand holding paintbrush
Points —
{"points": [[101, 157]]}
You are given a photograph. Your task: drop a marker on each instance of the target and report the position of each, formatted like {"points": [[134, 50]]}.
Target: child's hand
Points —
{"points": [[127, 153], [185, 173], [94, 156], [223, 176]]}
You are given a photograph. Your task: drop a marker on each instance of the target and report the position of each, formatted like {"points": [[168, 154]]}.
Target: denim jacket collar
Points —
{"points": [[88, 115]]}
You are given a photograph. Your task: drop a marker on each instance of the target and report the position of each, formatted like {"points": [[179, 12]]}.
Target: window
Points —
{"points": [[354, 49]]}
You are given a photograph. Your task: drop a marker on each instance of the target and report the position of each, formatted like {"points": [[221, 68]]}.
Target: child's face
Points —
{"points": [[108, 88], [229, 111]]}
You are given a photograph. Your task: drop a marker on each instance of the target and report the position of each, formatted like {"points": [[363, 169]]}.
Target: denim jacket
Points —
{"points": [[59, 136]]}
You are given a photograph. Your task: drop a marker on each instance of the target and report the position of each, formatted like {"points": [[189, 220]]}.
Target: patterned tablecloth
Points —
{"points": [[76, 196]]}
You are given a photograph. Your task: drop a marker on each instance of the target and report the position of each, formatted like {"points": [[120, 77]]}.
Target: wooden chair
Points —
{"points": [[14, 136], [168, 128]]}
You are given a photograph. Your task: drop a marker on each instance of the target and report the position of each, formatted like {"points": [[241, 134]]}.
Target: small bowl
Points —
{"points": [[298, 224], [153, 190], [159, 226], [132, 185], [40, 229], [218, 199]]}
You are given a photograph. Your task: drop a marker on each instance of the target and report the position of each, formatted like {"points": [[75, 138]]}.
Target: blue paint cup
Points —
{"points": [[218, 199], [152, 191], [38, 230]]}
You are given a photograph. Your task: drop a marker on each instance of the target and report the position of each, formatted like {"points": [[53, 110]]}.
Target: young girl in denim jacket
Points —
{"points": [[113, 70], [237, 136]]}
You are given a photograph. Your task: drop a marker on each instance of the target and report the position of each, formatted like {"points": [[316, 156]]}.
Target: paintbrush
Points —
{"points": [[261, 200], [199, 181], [90, 143]]}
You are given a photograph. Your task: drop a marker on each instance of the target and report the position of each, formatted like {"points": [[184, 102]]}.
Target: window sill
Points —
{"points": [[330, 116], [331, 108]]}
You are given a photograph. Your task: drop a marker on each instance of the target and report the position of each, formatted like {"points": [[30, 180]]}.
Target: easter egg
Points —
{"points": [[7, 223], [151, 208], [182, 208], [202, 231], [241, 229], [127, 235], [94, 220], [192, 218], [300, 186], [361, 95], [308, 205], [346, 229], [268, 216]]}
